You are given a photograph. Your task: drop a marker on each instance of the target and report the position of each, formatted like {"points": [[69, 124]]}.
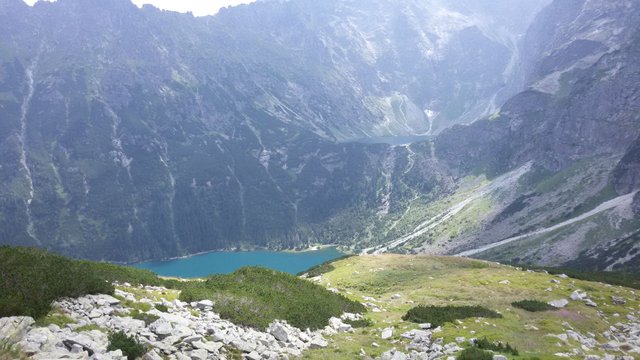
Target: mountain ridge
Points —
{"points": [[151, 134]]}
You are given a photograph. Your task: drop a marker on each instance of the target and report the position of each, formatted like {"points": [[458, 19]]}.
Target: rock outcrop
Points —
{"points": [[185, 331]]}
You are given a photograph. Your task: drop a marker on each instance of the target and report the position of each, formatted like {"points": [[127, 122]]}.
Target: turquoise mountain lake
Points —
{"points": [[226, 262]]}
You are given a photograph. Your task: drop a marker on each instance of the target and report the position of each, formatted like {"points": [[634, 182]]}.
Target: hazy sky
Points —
{"points": [[198, 7]]}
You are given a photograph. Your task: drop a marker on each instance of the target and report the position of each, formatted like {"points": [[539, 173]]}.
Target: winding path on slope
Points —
{"points": [[624, 200]]}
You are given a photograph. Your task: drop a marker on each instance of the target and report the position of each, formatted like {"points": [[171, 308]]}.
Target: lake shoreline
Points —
{"points": [[222, 262], [316, 247]]}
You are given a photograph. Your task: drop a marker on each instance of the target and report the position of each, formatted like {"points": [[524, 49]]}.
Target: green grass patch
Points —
{"points": [[438, 315], [255, 297], [90, 327], [61, 320], [130, 346], [136, 305], [323, 268], [533, 305], [627, 279], [11, 352], [475, 354]]}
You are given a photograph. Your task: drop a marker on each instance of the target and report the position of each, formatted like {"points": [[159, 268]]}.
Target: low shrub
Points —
{"points": [[147, 318], [255, 297], [474, 354], [362, 323], [130, 346], [533, 305], [161, 307], [485, 344], [31, 279], [439, 315]]}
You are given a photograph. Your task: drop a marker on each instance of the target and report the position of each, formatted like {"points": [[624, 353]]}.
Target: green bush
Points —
{"points": [[255, 297], [129, 345], [161, 307], [362, 323], [147, 318], [440, 315], [485, 344], [30, 279], [474, 354], [533, 305]]}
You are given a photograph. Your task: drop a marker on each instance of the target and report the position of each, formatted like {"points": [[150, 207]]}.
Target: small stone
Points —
{"points": [[590, 302], [499, 357], [396, 296], [199, 354], [252, 356], [204, 304], [578, 295], [505, 282], [386, 333], [425, 326], [616, 300], [152, 355], [209, 346], [318, 343], [559, 303]]}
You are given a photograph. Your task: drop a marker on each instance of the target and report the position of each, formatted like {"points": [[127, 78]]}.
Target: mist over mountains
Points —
{"points": [[411, 126]]}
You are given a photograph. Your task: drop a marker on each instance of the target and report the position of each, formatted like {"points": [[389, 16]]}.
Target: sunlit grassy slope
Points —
{"points": [[458, 281]]}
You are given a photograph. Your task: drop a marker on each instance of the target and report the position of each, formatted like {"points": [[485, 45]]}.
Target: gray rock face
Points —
{"points": [[279, 331], [177, 334], [161, 327], [626, 175], [393, 354]]}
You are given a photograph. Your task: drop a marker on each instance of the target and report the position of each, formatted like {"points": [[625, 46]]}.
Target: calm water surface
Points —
{"points": [[226, 262]]}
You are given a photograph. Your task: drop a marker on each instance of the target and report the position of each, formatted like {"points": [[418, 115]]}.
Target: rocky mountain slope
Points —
{"points": [[134, 134], [567, 145]]}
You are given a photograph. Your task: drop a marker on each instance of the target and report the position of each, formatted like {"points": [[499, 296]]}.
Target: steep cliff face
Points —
{"points": [[576, 126], [131, 134], [135, 134], [627, 172], [579, 104]]}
